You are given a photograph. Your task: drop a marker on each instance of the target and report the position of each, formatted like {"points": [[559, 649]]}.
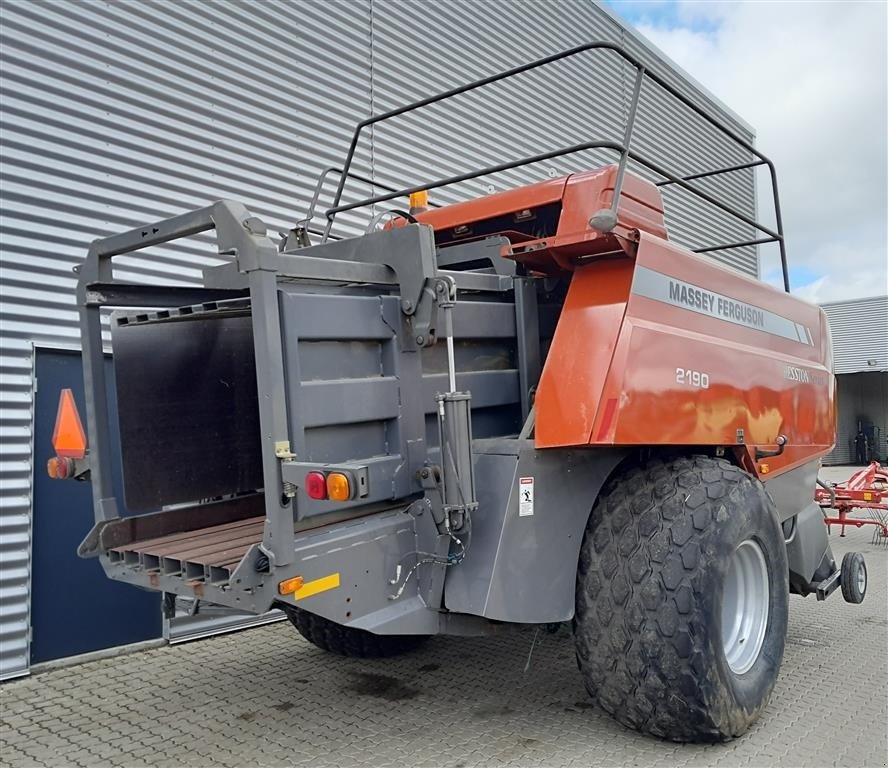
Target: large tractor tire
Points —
{"points": [[348, 641], [681, 599]]}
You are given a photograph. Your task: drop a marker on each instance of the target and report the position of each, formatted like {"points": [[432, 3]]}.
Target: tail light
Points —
{"points": [[60, 468], [316, 485]]}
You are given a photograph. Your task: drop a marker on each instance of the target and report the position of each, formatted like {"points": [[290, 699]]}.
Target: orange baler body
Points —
{"points": [[656, 346], [668, 348]]}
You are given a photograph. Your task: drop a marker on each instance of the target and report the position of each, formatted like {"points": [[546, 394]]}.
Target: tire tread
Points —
{"points": [[348, 641], [640, 645]]}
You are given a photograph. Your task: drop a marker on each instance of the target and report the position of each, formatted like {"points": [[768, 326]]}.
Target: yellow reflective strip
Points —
{"points": [[310, 588]]}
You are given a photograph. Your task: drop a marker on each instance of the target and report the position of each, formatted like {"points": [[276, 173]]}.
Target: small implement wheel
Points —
{"points": [[348, 641], [682, 599], [853, 577]]}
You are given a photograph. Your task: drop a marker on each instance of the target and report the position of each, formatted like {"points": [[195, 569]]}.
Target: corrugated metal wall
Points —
{"points": [[859, 334], [860, 351], [118, 113], [421, 50]]}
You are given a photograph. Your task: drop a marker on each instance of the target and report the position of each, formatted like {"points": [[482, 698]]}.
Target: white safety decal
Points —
{"points": [[525, 496]]}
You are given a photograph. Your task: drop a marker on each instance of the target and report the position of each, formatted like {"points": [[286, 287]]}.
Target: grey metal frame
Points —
{"points": [[404, 257], [305, 221], [624, 149], [398, 273], [237, 233]]}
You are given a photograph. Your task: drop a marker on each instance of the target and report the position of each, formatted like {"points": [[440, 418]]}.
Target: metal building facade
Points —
{"points": [[116, 113], [860, 351]]}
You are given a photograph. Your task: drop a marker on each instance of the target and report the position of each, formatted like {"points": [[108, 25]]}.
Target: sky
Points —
{"points": [[810, 77]]}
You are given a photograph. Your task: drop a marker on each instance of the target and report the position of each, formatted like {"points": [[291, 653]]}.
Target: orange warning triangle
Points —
{"points": [[68, 437]]}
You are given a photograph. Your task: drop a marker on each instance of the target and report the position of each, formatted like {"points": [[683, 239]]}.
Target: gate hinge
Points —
{"points": [[282, 450]]}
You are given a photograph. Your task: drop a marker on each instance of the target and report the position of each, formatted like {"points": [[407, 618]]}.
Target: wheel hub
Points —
{"points": [[745, 606]]}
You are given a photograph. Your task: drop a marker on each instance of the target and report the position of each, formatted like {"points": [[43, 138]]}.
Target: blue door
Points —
{"points": [[75, 608]]}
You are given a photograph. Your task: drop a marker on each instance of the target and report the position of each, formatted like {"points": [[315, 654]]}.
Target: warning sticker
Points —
{"points": [[525, 496]]}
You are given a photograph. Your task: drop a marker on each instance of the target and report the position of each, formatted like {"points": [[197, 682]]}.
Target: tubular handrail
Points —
{"points": [[624, 148], [306, 220]]}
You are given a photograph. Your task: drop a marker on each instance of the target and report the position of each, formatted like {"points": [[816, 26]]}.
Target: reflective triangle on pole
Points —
{"points": [[68, 437]]}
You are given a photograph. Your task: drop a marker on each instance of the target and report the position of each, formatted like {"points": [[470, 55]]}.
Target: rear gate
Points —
{"points": [[356, 393]]}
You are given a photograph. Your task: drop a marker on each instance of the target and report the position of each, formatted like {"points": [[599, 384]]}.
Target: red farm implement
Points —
{"points": [[866, 490]]}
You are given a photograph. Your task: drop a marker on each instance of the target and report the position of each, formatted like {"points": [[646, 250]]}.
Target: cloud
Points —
{"points": [[811, 79]]}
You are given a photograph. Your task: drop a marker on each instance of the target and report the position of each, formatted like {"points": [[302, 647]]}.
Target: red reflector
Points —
{"points": [[316, 485], [68, 437]]}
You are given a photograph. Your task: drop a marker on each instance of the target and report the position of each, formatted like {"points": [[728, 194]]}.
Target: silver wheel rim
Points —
{"points": [[861, 579], [745, 606]]}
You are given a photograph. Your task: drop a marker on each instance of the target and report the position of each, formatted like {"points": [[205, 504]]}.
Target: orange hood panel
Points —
{"points": [[670, 348]]}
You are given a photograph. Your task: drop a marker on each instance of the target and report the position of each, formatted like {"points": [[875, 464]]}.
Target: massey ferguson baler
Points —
{"points": [[528, 408]]}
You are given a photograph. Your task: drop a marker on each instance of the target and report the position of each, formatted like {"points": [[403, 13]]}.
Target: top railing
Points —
{"points": [[624, 149]]}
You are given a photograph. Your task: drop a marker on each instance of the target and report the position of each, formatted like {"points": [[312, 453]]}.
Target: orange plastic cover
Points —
{"points": [[671, 348], [580, 195], [68, 437]]}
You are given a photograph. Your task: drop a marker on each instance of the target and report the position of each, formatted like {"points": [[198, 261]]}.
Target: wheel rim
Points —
{"points": [[861, 579], [745, 606]]}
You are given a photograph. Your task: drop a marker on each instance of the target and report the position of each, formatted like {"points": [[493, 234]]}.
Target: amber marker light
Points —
{"points": [[290, 586], [338, 487]]}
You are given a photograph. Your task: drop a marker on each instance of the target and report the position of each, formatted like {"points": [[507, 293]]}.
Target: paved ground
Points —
{"points": [[266, 697]]}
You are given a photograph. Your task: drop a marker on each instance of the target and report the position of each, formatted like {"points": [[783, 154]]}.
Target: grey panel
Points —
{"points": [[807, 548], [518, 566], [106, 126], [793, 491], [488, 388], [350, 392], [859, 331], [349, 400], [337, 359], [473, 354]]}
